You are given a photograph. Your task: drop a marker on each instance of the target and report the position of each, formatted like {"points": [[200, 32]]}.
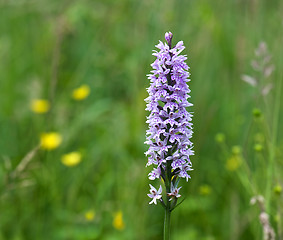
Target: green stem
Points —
{"points": [[167, 223], [168, 176], [168, 203], [273, 142]]}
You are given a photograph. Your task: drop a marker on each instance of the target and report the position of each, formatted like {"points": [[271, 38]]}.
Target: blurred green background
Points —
{"points": [[49, 49]]}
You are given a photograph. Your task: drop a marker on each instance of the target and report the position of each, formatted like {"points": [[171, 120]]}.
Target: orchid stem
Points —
{"points": [[167, 222]]}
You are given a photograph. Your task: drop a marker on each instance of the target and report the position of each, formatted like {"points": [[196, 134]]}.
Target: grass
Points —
{"points": [[49, 48]]}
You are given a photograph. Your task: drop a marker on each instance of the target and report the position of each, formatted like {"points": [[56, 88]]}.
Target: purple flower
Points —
{"points": [[154, 194], [155, 173], [168, 37], [170, 126]]}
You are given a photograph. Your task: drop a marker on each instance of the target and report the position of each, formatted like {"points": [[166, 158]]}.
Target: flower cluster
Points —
{"points": [[170, 126], [261, 64], [268, 231]]}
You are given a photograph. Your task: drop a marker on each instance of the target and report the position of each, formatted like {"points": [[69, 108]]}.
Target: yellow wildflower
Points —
{"points": [[236, 150], [258, 147], [40, 106], [205, 189], [233, 163], [277, 189], [71, 159], [220, 137], [118, 222], [81, 93], [256, 112], [50, 140], [89, 215]]}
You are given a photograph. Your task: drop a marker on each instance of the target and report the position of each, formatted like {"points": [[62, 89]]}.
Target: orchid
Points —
{"points": [[170, 126]]}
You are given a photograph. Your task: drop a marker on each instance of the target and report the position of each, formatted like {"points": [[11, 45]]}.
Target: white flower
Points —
{"points": [[154, 194]]}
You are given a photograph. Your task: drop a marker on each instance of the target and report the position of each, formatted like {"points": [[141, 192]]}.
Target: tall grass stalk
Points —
{"points": [[272, 144]]}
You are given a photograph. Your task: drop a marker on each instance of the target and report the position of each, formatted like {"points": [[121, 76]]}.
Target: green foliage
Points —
{"points": [[49, 48]]}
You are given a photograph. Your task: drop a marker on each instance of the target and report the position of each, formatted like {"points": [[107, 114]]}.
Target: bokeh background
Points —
{"points": [[72, 118]]}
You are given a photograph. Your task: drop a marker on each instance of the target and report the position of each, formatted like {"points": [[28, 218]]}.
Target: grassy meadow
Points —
{"points": [[72, 118]]}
